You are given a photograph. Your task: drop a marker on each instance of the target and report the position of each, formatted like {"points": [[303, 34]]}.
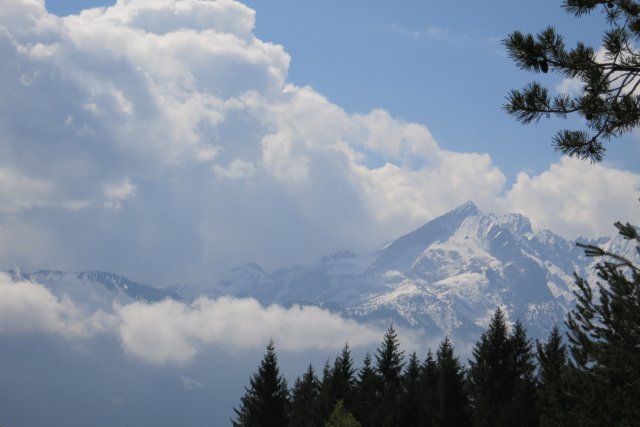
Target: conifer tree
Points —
{"points": [[452, 408], [343, 380], [489, 374], [412, 395], [338, 383], [523, 406], [429, 386], [340, 417], [366, 393], [304, 401], [389, 364], [326, 401], [604, 338], [553, 372], [502, 377], [266, 400], [608, 98]]}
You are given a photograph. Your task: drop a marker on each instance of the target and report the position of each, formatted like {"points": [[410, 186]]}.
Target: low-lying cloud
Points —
{"points": [[27, 307], [174, 333]]}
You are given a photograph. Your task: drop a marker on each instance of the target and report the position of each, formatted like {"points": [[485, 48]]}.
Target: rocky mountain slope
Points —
{"points": [[446, 277]]}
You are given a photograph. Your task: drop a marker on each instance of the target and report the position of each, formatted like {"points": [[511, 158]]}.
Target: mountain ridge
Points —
{"points": [[444, 278]]}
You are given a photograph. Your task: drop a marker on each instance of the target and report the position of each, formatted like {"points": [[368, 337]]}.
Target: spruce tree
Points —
{"points": [[523, 406], [555, 400], [412, 395], [338, 383], [502, 377], [340, 417], [366, 393], [343, 380], [452, 408], [429, 387], [604, 338], [608, 99], [490, 378], [304, 401], [326, 400], [389, 364], [266, 400]]}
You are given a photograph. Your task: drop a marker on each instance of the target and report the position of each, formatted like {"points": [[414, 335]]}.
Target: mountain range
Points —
{"points": [[446, 277]]}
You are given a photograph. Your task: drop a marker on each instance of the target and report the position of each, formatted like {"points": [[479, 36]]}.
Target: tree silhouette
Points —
{"points": [[608, 98]]}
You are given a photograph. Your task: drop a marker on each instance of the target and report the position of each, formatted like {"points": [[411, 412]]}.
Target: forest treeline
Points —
{"points": [[587, 376]]}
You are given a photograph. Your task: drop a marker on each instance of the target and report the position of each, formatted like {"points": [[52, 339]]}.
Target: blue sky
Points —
{"points": [[172, 140]]}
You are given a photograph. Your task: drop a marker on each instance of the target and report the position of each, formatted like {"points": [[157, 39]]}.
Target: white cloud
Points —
{"points": [[226, 162], [27, 307], [117, 193], [189, 383], [171, 332], [575, 197], [237, 169], [19, 192]]}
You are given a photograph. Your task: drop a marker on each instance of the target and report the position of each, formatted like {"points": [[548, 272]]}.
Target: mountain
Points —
{"points": [[95, 289], [446, 277]]}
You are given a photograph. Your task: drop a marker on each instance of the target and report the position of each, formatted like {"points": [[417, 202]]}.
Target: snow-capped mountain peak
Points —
{"points": [[445, 276]]}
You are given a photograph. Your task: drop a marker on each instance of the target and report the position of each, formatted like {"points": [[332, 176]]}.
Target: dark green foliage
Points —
{"points": [[304, 401], [524, 406], [266, 400], [366, 395], [412, 395], [338, 383], [488, 374], [326, 401], [608, 100], [389, 364], [343, 378], [429, 390], [452, 401], [340, 417], [501, 376], [555, 399], [604, 337], [599, 384]]}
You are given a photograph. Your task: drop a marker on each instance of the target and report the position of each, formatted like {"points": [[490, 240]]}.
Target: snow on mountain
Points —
{"points": [[446, 277], [95, 289]]}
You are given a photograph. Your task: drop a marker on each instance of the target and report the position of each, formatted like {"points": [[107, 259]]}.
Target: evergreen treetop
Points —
{"points": [[389, 365], [366, 393], [452, 401], [412, 393], [609, 95], [604, 338], [266, 400], [555, 398], [304, 401], [340, 417], [501, 380], [389, 359]]}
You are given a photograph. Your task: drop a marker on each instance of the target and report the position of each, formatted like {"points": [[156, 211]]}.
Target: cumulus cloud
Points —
{"points": [[27, 307], [574, 197], [161, 140], [171, 332]]}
